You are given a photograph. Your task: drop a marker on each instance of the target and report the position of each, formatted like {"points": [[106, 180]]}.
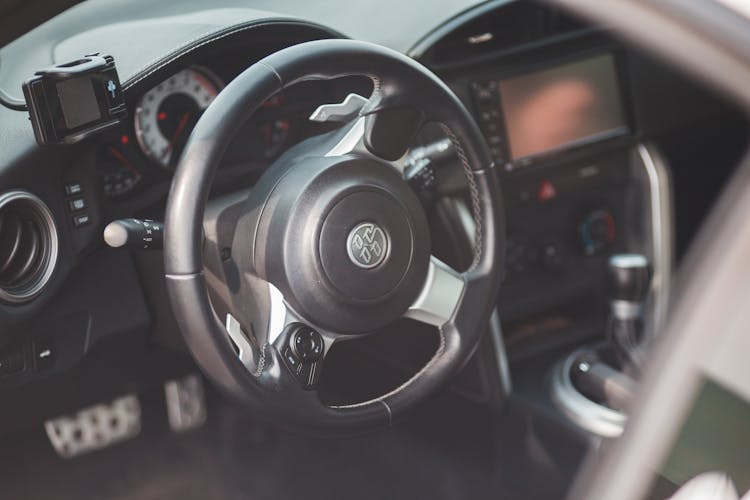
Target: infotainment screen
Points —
{"points": [[562, 106]]}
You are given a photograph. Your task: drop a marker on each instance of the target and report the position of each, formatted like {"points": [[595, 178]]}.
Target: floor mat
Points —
{"points": [[446, 449]]}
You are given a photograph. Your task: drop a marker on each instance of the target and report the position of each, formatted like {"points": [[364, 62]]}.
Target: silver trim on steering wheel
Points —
{"points": [[440, 295]]}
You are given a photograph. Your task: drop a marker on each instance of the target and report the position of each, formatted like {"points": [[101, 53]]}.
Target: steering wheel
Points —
{"points": [[330, 244]]}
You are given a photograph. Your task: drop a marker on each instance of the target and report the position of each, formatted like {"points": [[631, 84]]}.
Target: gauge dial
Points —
{"points": [[166, 114], [119, 173]]}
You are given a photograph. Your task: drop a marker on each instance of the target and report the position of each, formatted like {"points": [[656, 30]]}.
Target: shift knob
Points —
{"points": [[629, 277]]}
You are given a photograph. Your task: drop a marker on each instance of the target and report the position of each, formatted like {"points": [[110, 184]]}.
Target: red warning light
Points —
{"points": [[161, 116], [546, 191], [124, 139]]}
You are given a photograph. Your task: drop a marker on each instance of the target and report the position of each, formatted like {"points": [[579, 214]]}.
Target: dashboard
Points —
{"points": [[561, 106]]}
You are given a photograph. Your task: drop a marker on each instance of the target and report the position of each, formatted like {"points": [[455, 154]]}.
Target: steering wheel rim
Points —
{"points": [[399, 84]]}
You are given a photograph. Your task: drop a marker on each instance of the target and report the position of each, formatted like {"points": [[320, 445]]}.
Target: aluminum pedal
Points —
{"points": [[95, 427], [186, 403]]}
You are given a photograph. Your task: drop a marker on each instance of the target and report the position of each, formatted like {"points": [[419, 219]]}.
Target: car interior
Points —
{"points": [[373, 249]]}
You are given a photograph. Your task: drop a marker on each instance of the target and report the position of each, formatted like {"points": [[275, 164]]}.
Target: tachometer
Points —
{"points": [[119, 171], [166, 114]]}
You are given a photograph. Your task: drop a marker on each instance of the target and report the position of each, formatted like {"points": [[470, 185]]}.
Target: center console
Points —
{"points": [[579, 187]]}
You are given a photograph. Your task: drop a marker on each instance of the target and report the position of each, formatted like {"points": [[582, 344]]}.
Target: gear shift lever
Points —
{"points": [[594, 384], [629, 277]]}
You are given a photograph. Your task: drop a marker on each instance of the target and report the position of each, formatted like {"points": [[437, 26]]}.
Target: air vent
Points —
{"points": [[28, 246]]}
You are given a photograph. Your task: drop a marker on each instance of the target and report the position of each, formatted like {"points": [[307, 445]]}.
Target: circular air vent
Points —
{"points": [[28, 246]]}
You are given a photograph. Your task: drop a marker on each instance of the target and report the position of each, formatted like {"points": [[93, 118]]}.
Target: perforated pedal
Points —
{"points": [[95, 427]]}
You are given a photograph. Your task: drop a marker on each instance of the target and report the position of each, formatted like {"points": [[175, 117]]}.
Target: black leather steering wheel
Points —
{"points": [[330, 244]]}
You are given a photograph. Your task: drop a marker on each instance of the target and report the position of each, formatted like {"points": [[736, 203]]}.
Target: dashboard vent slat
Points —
{"points": [[10, 241], [28, 255]]}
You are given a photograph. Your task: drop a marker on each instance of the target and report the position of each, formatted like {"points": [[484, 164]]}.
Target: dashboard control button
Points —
{"points": [[73, 188], [597, 231], [44, 354], [291, 359], [77, 204], [490, 128], [485, 92], [81, 220], [489, 116], [553, 255]]}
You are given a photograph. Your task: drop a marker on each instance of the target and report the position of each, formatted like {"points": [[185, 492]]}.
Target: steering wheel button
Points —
{"points": [[307, 344], [290, 358]]}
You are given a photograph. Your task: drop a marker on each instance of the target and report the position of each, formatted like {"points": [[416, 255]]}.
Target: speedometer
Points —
{"points": [[166, 114]]}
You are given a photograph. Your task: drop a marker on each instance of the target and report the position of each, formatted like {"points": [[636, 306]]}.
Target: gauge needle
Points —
{"points": [[125, 162], [176, 135]]}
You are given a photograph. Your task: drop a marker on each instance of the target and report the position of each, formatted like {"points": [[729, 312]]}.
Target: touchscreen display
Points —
{"points": [[562, 106]]}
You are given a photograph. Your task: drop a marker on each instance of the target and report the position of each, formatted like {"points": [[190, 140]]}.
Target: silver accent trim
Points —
{"points": [[480, 38], [628, 261], [662, 234], [440, 295], [503, 366], [234, 330], [625, 309], [51, 250], [341, 112], [186, 403], [593, 417], [279, 316], [352, 141], [388, 409]]}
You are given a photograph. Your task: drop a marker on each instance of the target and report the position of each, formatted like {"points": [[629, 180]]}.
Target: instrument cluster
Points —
{"points": [[147, 148]]}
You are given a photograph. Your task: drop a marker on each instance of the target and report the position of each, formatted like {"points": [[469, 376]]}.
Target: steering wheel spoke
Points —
{"points": [[440, 295], [300, 347], [393, 142]]}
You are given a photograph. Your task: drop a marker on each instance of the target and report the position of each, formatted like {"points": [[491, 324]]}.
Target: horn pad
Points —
{"points": [[355, 247]]}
